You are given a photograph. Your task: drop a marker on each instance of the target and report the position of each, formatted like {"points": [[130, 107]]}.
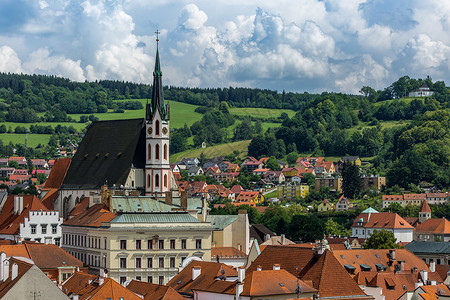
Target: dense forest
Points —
{"points": [[416, 149]]}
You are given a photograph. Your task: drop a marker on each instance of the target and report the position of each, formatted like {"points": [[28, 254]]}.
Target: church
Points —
{"points": [[127, 156]]}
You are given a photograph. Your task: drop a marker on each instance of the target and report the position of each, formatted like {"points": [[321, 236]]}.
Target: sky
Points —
{"points": [[293, 45]]}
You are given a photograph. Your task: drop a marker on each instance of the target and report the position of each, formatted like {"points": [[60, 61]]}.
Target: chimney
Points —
{"points": [[258, 268], [417, 284], [101, 280], [5, 269], [241, 274], [432, 266], [276, 267], [196, 271], [184, 200], [239, 290], [2, 261], [424, 275], [402, 266], [18, 204], [168, 198], [239, 247], [267, 237], [14, 271], [392, 254], [432, 282], [75, 297], [283, 239]]}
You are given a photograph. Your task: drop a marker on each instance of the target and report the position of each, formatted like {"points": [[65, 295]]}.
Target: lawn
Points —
{"points": [[33, 139], [213, 151], [261, 112], [384, 125], [405, 99]]}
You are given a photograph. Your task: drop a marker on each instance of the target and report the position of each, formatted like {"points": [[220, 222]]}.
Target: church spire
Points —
{"points": [[157, 101]]}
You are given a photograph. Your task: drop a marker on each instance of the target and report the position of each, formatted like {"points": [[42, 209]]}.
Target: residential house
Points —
{"points": [[370, 220], [260, 172], [21, 161], [328, 166], [343, 204], [39, 163], [433, 230], [152, 291], [349, 160], [253, 165], [422, 91], [223, 165], [253, 196], [19, 178], [437, 198], [6, 172], [230, 231], [4, 161], [315, 266], [233, 168], [194, 171], [374, 182], [225, 177], [21, 279], [211, 171], [289, 172], [236, 189], [56, 263], [25, 217], [277, 177], [209, 165], [415, 199], [428, 292], [229, 255], [87, 286], [137, 238], [190, 162], [325, 205], [333, 183], [309, 162], [438, 252], [291, 192]]}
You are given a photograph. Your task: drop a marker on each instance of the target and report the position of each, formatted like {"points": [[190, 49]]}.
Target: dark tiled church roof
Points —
{"points": [[106, 154]]}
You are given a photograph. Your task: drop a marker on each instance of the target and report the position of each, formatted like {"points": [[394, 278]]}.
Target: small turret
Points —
{"points": [[424, 212]]}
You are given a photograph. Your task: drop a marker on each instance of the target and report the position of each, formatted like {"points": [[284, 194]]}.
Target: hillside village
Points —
{"points": [[115, 219]]}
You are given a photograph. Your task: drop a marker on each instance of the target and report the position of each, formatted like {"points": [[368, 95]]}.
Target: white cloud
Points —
{"points": [[9, 61]]}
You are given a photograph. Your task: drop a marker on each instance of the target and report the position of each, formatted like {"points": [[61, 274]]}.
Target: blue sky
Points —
{"points": [[295, 45]]}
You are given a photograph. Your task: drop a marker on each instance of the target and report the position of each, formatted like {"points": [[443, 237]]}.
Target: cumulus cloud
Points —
{"points": [[9, 61]]}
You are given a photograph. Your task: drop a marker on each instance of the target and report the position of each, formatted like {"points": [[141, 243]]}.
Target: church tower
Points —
{"points": [[424, 212], [157, 116]]}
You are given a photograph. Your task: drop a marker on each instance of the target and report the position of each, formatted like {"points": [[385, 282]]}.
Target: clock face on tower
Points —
{"points": [[164, 130], [149, 130]]}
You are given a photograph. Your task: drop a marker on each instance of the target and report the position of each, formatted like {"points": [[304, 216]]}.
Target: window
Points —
{"points": [[138, 263], [149, 151], [156, 180], [438, 261], [172, 244], [149, 262], [161, 262], [161, 244], [54, 228], [198, 244], [123, 244], [183, 258], [165, 151], [183, 244], [150, 244], [150, 279], [165, 180], [157, 151], [172, 262], [138, 278], [44, 228], [123, 262], [157, 127], [161, 280], [149, 181], [33, 228], [138, 244], [57, 242], [122, 279], [105, 242]]}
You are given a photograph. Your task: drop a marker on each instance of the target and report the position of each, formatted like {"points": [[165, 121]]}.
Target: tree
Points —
{"points": [[381, 240], [273, 164], [351, 181]]}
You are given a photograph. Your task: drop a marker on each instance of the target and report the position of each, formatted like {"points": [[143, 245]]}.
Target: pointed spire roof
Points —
{"points": [[425, 207]]}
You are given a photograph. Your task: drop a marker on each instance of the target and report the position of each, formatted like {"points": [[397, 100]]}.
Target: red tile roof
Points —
{"points": [[92, 217], [226, 252], [57, 174], [436, 226], [152, 291], [50, 197], [425, 207], [381, 220]]}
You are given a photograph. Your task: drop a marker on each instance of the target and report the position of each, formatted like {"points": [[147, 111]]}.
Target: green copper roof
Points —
{"points": [[139, 204], [155, 218], [219, 222], [370, 210], [429, 247]]}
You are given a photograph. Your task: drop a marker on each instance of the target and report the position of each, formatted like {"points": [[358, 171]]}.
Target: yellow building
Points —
{"points": [[333, 183], [290, 192], [325, 205], [147, 246]]}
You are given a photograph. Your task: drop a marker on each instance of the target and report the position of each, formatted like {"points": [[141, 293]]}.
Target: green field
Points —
{"points": [[261, 112], [33, 139], [213, 151], [384, 125], [405, 100]]}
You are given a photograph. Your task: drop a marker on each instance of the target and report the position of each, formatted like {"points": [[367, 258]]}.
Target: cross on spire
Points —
{"points": [[157, 36]]}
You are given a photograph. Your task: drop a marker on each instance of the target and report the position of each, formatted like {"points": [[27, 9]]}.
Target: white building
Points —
{"points": [[423, 91], [370, 220], [42, 226]]}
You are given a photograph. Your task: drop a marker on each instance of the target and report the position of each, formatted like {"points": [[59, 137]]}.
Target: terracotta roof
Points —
{"points": [[435, 292], [381, 220], [414, 196], [226, 252], [50, 197], [210, 271], [394, 285], [82, 206], [92, 217], [57, 174], [374, 257], [10, 221], [152, 291], [247, 196], [441, 226], [236, 189], [442, 270], [87, 287], [276, 240], [425, 207], [17, 158]]}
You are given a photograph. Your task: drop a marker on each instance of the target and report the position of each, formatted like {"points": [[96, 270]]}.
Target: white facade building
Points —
{"points": [[42, 226]]}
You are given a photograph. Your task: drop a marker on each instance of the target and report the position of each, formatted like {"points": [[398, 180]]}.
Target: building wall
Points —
{"points": [[51, 222], [402, 235], [240, 232], [334, 183], [290, 192]]}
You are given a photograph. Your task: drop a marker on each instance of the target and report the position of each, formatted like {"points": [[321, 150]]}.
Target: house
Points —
{"points": [[232, 168], [19, 178], [433, 230], [428, 292], [260, 172], [152, 291], [343, 204], [289, 172], [21, 279], [276, 177], [422, 91], [374, 182], [197, 188], [56, 263], [325, 205], [430, 251], [415, 199], [347, 160], [225, 177], [309, 162], [253, 165], [230, 231], [6, 172], [316, 266], [253, 196], [87, 286], [39, 163], [229, 255], [21, 161], [25, 217], [4, 161], [333, 183], [291, 192], [328, 166], [370, 220], [211, 171], [194, 171], [437, 198], [236, 189]]}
